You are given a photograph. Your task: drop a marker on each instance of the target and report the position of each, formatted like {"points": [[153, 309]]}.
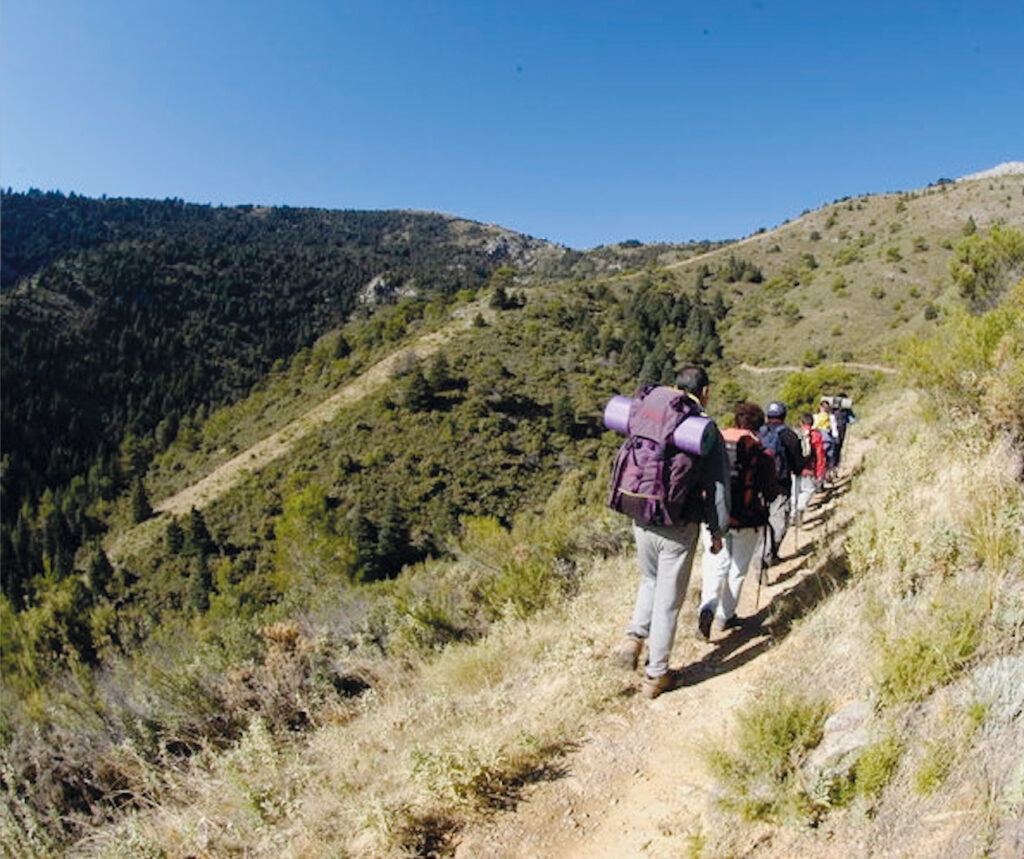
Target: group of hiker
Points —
{"points": [[737, 490]]}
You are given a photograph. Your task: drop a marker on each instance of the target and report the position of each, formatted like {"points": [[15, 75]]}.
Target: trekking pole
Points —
{"points": [[795, 518], [761, 572]]}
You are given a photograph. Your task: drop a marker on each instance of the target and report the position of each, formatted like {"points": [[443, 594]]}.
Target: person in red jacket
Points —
{"points": [[812, 477]]}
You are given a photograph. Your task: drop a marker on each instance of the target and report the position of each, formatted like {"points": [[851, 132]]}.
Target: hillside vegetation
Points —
{"points": [[266, 662]]}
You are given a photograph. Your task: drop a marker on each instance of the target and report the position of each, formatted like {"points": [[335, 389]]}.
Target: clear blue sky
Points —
{"points": [[580, 122]]}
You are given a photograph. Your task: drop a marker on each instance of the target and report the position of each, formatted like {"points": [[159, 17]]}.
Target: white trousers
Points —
{"points": [[723, 574], [807, 487]]}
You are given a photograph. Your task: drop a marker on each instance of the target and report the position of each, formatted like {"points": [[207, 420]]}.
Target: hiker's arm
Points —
{"points": [[791, 443], [715, 480]]}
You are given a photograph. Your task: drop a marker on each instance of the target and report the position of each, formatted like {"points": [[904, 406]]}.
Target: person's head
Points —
{"points": [[749, 416], [776, 411], [806, 420], [695, 380], [825, 405]]}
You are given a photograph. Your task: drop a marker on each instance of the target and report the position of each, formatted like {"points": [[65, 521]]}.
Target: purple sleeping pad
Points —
{"points": [[690, 436]]}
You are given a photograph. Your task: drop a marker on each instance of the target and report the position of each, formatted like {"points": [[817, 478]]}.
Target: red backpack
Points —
{"points": [[652, 477], [747, 456]]}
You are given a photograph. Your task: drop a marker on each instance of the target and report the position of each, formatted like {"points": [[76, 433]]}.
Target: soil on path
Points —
{"points": [[638, 785]]}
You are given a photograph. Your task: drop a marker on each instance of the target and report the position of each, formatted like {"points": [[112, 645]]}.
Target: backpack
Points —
{"points": [[748, 508], [771, 438], [806, 450], [652, 477]]}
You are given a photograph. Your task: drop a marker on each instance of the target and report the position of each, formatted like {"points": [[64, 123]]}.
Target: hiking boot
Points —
{"points": [[732, 622], [652, 687], [629, 653], [704, 623]]}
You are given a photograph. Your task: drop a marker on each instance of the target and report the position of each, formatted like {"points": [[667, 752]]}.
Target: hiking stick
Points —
{"points": [[794, 500], [764, 566]]}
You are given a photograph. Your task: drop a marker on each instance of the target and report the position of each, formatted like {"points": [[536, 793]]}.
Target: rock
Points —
{"points": [[846, 732]]}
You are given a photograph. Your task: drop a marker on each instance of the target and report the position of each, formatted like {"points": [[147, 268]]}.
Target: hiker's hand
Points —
{"points": [[716, 544]]}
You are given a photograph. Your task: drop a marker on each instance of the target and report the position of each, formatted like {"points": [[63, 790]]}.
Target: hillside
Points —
{"points": [[380, 511], [848, 280], [127, 317]]}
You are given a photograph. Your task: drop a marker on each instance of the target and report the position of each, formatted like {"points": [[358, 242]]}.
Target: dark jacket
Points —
{"points": [[709, 502], [792, 454]]}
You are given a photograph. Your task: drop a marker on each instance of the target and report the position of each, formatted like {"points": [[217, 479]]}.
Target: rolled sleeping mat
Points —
{"points": [[691, 436], [616, 414]]}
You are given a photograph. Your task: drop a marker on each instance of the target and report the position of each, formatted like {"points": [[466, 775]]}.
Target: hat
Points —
{"points": [[776, 410]]}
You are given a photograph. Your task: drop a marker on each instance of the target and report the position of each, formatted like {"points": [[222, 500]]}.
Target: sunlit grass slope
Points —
{"points": [[927, 634]]}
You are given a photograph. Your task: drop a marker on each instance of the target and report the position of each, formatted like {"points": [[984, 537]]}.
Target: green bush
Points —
{"points": [[921, 653], [982, 266], [979, 358], [876, 765], [802, 391], [773, 735]]}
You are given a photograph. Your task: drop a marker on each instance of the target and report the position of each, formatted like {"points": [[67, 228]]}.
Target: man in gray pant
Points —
{"points": [[789, 462], [665, 554]]}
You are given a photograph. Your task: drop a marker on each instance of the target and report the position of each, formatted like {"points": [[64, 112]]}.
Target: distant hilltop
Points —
{"points": [[1005, 169]]}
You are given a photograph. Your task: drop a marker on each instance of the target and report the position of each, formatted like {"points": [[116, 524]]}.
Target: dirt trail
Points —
{"points": [[638, 786], [261, 454], [794, 368], [264, 452]]}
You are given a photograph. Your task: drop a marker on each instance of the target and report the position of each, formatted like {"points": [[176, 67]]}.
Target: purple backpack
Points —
{"points": [[651, 478]]}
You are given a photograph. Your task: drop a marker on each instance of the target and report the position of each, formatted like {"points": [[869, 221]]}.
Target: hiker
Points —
{"points": [[665, 551], [812, 475], [825, 422], [784, 446], [753, 486], [842, 410]]}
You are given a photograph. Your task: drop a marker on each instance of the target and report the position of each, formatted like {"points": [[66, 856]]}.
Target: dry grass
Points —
{"points": [[434, 744], [930, 632]]}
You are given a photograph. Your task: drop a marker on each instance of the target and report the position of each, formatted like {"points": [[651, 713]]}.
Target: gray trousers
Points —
{"points": [[778, 519], [665, 557]]}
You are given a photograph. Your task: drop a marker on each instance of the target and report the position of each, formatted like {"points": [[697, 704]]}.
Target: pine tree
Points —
{"points": [[392, 537], [199, 584], [416, 394], [197, 536], [363, 535], [100, 573], [174, 538], [439, 375], [141, 508], [563, 416]]}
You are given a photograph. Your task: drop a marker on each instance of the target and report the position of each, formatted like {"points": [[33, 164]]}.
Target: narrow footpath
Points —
{"points": [[638, 785]]}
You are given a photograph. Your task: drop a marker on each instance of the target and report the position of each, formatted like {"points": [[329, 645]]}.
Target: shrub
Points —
{"points": [[848, 255], [982, 266], [773, 735], [980, 358], [875, 766], [922, 653]]}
